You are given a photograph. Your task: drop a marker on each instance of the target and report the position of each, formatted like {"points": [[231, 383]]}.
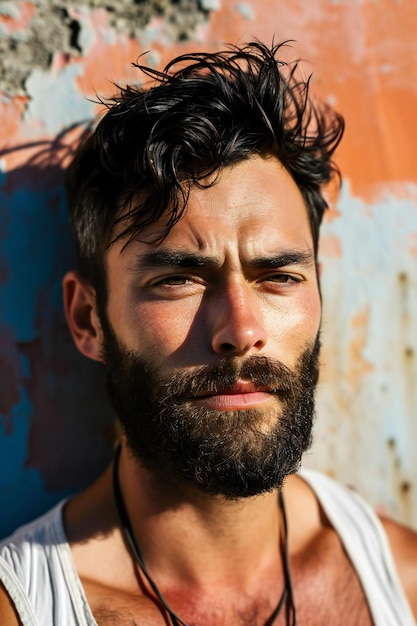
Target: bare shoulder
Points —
{"points": [[7, 611], [304, 513], [403, 542]]}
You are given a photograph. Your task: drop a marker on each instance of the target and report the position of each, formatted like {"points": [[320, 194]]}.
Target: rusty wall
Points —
{"points": [[55, 56]]}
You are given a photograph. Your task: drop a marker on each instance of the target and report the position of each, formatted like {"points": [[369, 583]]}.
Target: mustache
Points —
{"points": [[261, 371]]}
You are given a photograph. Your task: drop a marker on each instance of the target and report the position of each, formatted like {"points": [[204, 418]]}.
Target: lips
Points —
{"points": [[242, 394], [240, 387]]}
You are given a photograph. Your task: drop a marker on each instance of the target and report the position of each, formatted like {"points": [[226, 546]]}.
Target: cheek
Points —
{"points": [[294, 324], [160, 329], [311, 314]]}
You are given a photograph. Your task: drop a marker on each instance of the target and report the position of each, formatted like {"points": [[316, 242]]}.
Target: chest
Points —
{"points": [[331, 595]]}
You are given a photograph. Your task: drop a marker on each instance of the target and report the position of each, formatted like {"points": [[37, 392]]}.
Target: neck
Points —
{"points": [[206, 539]]}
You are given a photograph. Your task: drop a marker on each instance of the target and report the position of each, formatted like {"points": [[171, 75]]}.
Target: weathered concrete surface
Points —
{"points": [[55, 56], [33, 33]]}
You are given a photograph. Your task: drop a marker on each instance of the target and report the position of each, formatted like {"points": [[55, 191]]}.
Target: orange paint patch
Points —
{"points": [[358, 364], [106, 64], [365, 64], [229, 25], [20, 25], [379, 146], [47, 152], [99, 19], [330, 247], [371, 79], [361, 319], [11, 112]]}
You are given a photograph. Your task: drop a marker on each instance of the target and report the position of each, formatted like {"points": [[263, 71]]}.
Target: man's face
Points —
{"points": [[211, 344]]}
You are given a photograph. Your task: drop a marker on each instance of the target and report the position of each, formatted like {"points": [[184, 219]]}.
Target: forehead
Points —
{"points": [[252, 208]]}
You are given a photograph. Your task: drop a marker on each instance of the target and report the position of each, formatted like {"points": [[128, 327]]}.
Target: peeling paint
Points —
{"points": [[33, 33], [210, 5], [246, 10], [54, 58], [47, 92], [368, 393]]}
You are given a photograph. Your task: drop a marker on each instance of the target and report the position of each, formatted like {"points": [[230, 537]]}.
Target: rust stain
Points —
{"points": [[11, 375], [358, 364], [401, 487], [407, 342], [361, 319]]}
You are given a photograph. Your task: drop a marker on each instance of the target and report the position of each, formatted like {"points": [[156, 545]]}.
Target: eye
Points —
{"points": [[175, 286], [282, 278], [280, 283], [173, 280]]}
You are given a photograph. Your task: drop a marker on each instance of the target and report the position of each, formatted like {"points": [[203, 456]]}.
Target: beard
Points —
{"points": [[236, 453]]}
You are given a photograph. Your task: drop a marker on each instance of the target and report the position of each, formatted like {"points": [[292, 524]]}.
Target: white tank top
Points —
{"points": [[37, 570]]}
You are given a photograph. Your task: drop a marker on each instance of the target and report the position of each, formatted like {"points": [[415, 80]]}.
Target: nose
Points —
{"points": [[237, 327]]}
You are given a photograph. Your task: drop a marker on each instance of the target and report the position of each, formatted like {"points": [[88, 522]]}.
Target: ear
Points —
{"points": [[81, 314]]}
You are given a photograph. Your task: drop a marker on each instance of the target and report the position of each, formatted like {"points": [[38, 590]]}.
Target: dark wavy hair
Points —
{"points": [[202, 113]]}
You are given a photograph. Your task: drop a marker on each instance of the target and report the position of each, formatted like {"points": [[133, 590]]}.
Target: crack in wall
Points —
{"points": [[54, 29]]}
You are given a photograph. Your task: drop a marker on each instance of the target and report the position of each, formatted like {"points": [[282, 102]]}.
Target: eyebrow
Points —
{"points": [[283, 259], [155, 259]]}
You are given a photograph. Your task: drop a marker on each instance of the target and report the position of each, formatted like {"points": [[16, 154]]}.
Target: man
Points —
{"points": [[196, 206]]}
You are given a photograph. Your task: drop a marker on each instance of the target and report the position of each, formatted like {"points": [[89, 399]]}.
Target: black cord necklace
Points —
{"points": [[286, 598]]}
